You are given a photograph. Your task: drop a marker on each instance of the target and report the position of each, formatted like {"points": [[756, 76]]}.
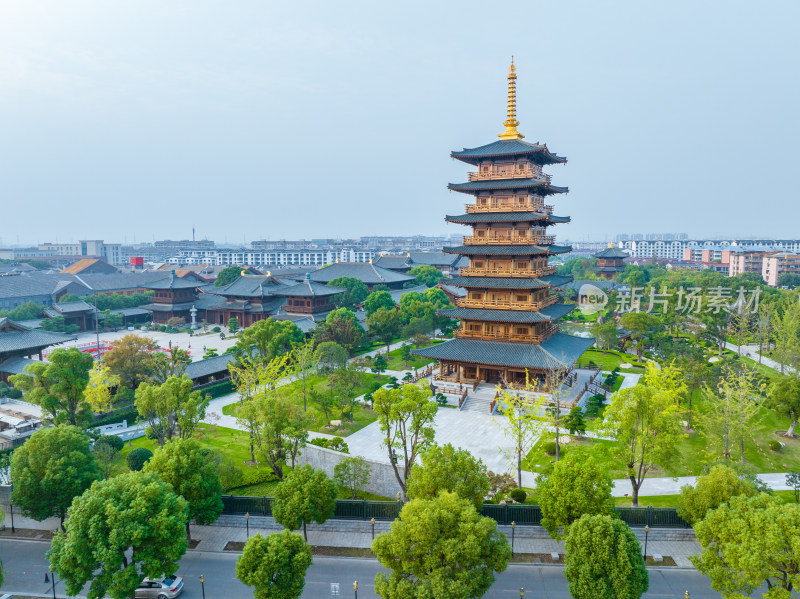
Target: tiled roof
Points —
{"points": [[507, 250], [369, 274], [252, 286], [398, 293], [18, 338], [504, 217], [494, 315], [438, 259], [173, 281], [498, 282], [129, 311], [308, 288], [541, 186], [89, 264], [305, 322], [454, 289], [72, 307], [393, 262], [508, 148], [36, 285], [559, 351], [556, 311], [209, 366], [612, 252], [15, 365]]}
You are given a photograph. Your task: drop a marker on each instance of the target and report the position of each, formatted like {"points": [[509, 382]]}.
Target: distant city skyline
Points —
{"points": [[321, 119]]}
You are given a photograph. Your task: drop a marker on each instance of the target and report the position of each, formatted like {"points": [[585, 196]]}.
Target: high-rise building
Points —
{"points": [[509, 329]]}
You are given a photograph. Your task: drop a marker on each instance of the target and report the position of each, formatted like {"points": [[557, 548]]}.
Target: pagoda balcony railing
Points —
{"points": [[506, 303], [535, 337], [510, 240], [526, 173], [530, 273], [509, 207]]}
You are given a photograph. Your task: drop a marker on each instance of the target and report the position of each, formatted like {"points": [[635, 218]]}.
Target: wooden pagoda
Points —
{"points": [[509, 329]]}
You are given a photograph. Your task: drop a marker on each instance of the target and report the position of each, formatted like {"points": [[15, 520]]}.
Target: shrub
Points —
{"points": [[216, 330], [441, 399], [518, 495], [336, 444], [549, 447], [113, 441], [14, 393], [774, 445], [176, 321], [3, 389], [138, 458], [256, 476], [129, 414], [124, 395]]}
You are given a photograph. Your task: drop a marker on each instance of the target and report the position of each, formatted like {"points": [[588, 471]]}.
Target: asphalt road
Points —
{"points": [[25, 565]]}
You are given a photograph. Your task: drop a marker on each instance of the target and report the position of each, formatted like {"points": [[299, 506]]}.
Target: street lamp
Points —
{"points": [[53, 581], [646, 532], [513, 526], [203, 585], [521, 592], [11, 505], [247, 523], [686, 595], [355, 588], [373, 528]]}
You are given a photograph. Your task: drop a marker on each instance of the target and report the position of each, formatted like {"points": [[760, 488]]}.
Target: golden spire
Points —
{"points": [[511, 115]]}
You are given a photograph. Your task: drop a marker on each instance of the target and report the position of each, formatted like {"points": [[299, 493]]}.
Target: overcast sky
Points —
{"points": [[135, 120]]}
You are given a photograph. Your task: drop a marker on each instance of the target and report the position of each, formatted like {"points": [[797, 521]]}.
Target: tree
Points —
{"points": [[50, 470], [171, 408], [440, 547], [342, 327], [445, 468], [710, 492], [378, 300], [790, 280], [281, 431], [331, 356], [641, 325], [131, 359], [696, 374], [606, 335], [786, 325], [356, 292], [228, 275], [233, 325], [604, 560], [58, 385], [164, 365], [120, 531], [183, 464], [98, 389], [784, 398], [575, 487], [137, 458], [274, 565], [733, 409], [406, 417], [379, 365], [426, 275], [343, 382], [644, 421], [793, 481], [748, 543], [522, 425], [384, 325], [306, 495], [405, 353], [353, 473], [302, 364], [269, 338], [104, 455], [574, 421]]}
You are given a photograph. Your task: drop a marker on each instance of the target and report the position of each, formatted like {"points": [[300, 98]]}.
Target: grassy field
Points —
{"points": [[362, 415], [395, 362], [610, 360], [674, 500], [694, 452]]}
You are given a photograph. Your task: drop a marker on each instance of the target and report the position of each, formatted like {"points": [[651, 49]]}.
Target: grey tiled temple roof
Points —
{"points": [[494, 315], [252, 286], [507, 250], [498, 282], [209, 366], [504, 217], [540, 185], [308, 288], [174, 282], [508, 148], [612, 252], [369, 274], [403, 261], [15, 338], [558, 352], [15, 365]]}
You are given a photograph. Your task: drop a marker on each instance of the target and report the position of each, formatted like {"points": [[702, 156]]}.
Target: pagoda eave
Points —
{"points": [[507, 250], [505, 217], [509, 282], [538, 186], [508, 149]]}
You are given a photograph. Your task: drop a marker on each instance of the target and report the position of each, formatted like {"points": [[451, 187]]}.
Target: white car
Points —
{"points": [[165, 588]]}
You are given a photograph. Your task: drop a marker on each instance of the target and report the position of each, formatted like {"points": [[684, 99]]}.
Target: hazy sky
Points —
{"points": [[123, 120]]}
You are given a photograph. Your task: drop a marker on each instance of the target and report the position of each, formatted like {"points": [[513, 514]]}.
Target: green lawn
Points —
{"points": [[610, 360], [674, 500], [362, 415], [694, 451], [395, 362]]}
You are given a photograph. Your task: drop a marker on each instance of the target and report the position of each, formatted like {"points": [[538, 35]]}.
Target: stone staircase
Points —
{"points": [[480, 400]]}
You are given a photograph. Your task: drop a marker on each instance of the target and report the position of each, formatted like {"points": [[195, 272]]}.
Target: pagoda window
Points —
{"points": [[478, 264], [522, 298], [476, 295], [522, 330]]}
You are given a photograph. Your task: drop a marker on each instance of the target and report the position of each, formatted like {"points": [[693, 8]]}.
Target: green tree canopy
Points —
{"points": [[269, 338], [305, 495], [131, 359], [353, 473], [385, 325], [280, 431], [784, 398], [170, 363], [606, 335], [50, 470], [172, 408], [377, 300], [228, 275], [406, 416], [748, 543], [275, 565], [58, 385], [122, 530], [575, 487], [342, 327], [440, 547], [184, 464], [426, 275], [710, 492], [357, 292], [331, 356], [445, 468], [604, 560]]}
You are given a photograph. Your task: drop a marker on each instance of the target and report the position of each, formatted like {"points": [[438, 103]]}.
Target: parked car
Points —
{"points": [[165, 588]]}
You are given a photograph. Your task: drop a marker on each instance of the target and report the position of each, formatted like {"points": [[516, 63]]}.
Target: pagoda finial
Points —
{"points": [[511, 113]]}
